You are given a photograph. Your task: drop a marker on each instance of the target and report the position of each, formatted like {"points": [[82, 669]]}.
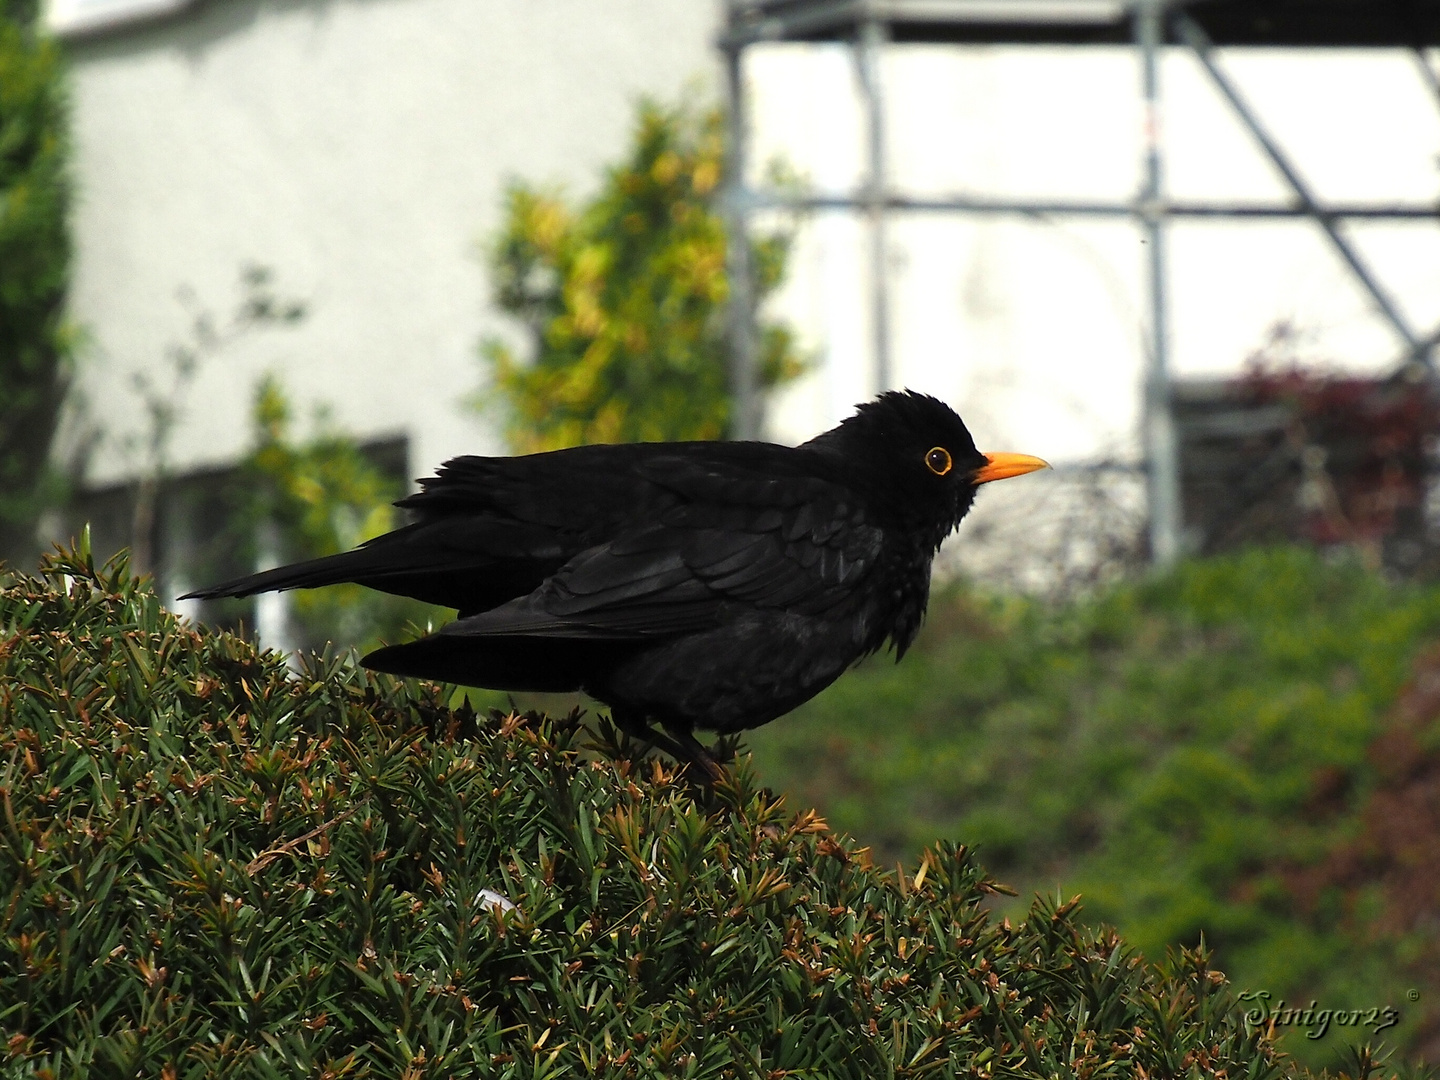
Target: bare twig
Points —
{"points": [[265, 858]]}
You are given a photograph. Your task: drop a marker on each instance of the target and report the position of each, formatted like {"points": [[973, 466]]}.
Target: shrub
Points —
{"points": [[212, 866], [624, 298], [34, 273]]}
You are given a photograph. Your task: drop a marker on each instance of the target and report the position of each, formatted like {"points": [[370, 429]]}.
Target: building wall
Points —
{"points": [[360, 150]]}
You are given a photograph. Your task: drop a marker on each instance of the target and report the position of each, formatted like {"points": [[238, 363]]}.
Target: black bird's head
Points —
{"points": [[913, 454]]}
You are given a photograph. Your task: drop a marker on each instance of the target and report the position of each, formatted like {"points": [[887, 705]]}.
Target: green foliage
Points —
{"points": [[34, 273], [624, 298], [22, 12], [302, 499], [1178, 751], [210, 866]]}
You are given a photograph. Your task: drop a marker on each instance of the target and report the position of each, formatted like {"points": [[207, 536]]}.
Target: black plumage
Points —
{"points": [[710, 585]]}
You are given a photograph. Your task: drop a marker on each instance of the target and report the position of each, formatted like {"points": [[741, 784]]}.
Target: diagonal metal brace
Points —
{"points": [[1427, 73], [1193, 35]]}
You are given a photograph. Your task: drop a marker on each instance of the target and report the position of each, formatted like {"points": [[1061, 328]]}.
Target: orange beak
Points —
{"points": [[1004, 466]]}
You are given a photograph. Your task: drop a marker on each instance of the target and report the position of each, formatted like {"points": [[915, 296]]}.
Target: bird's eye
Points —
{"points": [[937, 460]]}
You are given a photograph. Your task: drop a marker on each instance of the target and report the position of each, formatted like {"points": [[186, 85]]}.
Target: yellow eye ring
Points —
{"points": [[937, 460]]}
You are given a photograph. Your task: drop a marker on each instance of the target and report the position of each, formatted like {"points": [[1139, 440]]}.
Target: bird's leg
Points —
{"points": [[682, 746], [696, 753], [637, 727]]}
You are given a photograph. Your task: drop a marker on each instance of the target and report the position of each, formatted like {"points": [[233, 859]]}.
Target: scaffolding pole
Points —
{"points": [[1162, 457], [1427, 73], [740, 306], [1040, 208], [868, 47]]}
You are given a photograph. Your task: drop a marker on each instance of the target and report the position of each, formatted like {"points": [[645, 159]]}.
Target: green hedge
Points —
{"points": [[1190, 752], [211, 865]]}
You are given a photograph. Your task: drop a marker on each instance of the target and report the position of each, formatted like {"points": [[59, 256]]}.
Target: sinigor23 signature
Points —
{"points": [[1312, 1019]]}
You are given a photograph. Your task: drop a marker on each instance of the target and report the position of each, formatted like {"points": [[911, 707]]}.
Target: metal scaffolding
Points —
{"points": [[1199, 26]]}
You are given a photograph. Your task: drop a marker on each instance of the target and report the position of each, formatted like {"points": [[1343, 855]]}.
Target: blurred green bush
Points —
{"points": [[1188, 753], [210, 866], [623, 298], [35, 339]]}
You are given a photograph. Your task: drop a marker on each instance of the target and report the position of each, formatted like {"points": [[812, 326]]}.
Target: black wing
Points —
{"points": [[610, 541], [729, 539]]}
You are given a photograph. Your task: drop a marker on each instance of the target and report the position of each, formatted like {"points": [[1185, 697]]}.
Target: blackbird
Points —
{"points": [[711, 585]]}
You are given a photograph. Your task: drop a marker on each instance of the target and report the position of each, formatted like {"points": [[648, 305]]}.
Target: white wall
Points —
{"points": [[360, 149]]}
